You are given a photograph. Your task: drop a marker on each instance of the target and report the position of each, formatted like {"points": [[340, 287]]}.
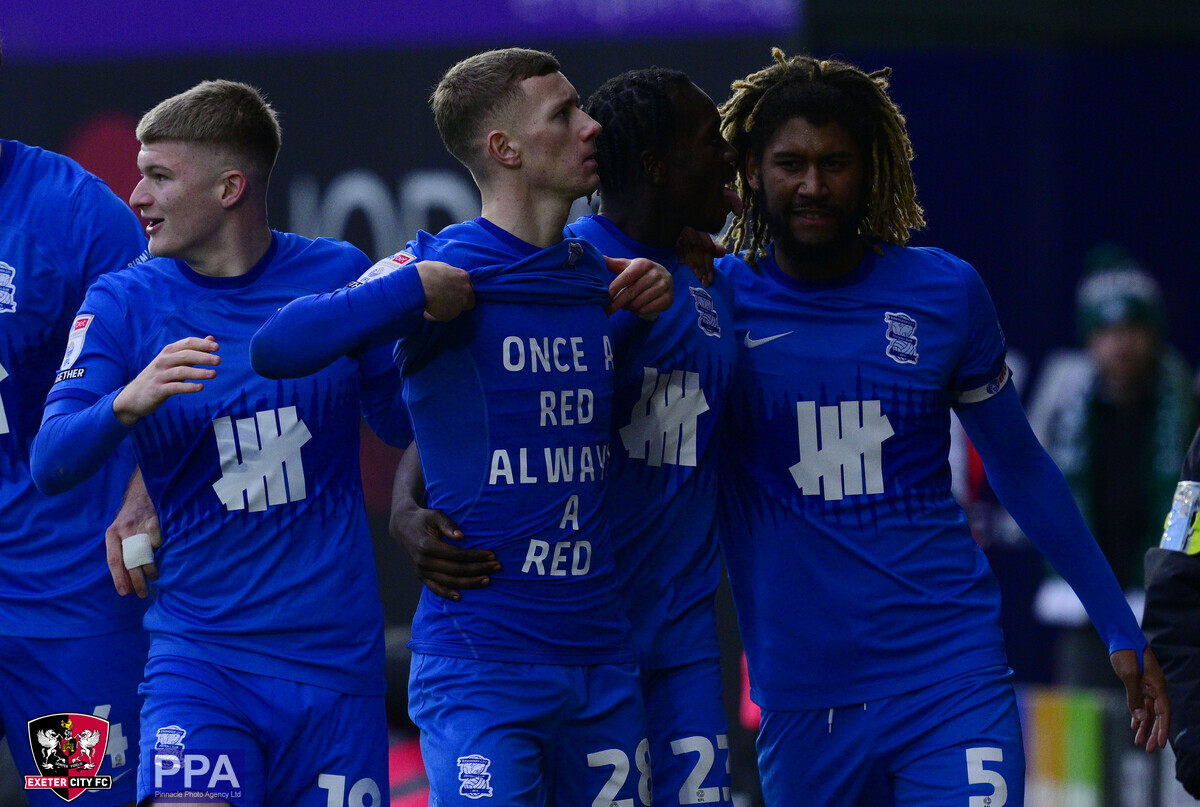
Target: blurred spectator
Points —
{"points": [[1117, 417]]}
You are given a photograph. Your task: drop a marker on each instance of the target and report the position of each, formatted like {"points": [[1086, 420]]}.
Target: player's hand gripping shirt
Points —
{"points": [[511, 407], [671, 378], [60, 229], [854, 571], [266, 564]]}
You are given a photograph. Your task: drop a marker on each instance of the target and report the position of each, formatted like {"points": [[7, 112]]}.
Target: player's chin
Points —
{"points": [[158, 247], [589, 182], [714, 221]]}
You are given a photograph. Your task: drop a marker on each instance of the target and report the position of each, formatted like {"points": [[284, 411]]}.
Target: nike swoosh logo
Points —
{"points": [[748, 342]]}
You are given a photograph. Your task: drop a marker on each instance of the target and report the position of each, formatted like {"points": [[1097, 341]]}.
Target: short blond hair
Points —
{"points": [[472, 93], [224, 114]]}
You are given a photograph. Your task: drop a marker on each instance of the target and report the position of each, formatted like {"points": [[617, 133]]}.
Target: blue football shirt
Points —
{"points": [[853, 569], [266, 564], [511, 407], [60, 229], [672, 375]]}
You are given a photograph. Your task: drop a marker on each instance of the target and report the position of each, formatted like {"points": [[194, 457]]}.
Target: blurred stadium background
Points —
{"points": [[1041, 129]]}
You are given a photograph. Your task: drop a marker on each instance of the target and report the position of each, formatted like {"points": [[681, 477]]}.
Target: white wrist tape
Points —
{"points": [[137, 550]]}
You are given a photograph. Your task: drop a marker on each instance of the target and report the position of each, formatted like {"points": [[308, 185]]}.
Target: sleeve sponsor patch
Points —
{"points": [[79, 329], [383, 268]]}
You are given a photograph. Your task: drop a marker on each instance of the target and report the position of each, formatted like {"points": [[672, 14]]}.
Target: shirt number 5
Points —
{"points": [[979, 775]]}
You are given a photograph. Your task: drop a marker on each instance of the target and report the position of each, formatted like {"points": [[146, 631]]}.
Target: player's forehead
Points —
{"points": [[693, 110], [687, 97], [550, 90], [173, 155], [799, 135]]}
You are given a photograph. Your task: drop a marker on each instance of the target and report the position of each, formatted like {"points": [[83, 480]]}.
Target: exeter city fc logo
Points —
{"points": [[68, 749]]}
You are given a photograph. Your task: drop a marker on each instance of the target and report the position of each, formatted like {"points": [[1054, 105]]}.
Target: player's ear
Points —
{"points": [[654, 168], [233, 187], [753, 172], [503, 149]]}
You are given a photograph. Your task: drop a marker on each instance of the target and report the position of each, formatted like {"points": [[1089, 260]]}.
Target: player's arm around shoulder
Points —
{"points": [[383, 304], [642, 286], [424, 533], [699, 252], [416, 278], [448, 290]]}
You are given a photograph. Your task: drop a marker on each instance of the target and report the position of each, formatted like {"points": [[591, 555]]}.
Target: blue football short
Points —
{"points": [[954, 743], [689, 748], [250, 739], [93, 675], [530, 734]]}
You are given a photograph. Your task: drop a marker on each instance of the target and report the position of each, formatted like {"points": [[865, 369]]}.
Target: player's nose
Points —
{"points": [[139, 198], [591, 129]]}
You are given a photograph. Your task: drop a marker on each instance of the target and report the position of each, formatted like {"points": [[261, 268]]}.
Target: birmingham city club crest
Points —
{"points": [[473, 773], [8, 289], [901, 337], [68, 749]]}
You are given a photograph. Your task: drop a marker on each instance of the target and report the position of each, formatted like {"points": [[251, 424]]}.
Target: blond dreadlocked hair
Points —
{"points": [[821, 92]]}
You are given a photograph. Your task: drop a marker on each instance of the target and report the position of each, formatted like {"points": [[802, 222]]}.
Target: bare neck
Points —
{"points": [[822, 268], [643, 218], [232, 251], [536, 218]]}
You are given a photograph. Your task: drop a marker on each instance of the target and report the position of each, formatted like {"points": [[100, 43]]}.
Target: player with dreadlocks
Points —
{"points": [[663, 168], [870, 617], [839, 91]]}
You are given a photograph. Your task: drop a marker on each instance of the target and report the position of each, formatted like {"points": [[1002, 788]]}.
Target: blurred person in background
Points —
{"points": [[1117, 418]]}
